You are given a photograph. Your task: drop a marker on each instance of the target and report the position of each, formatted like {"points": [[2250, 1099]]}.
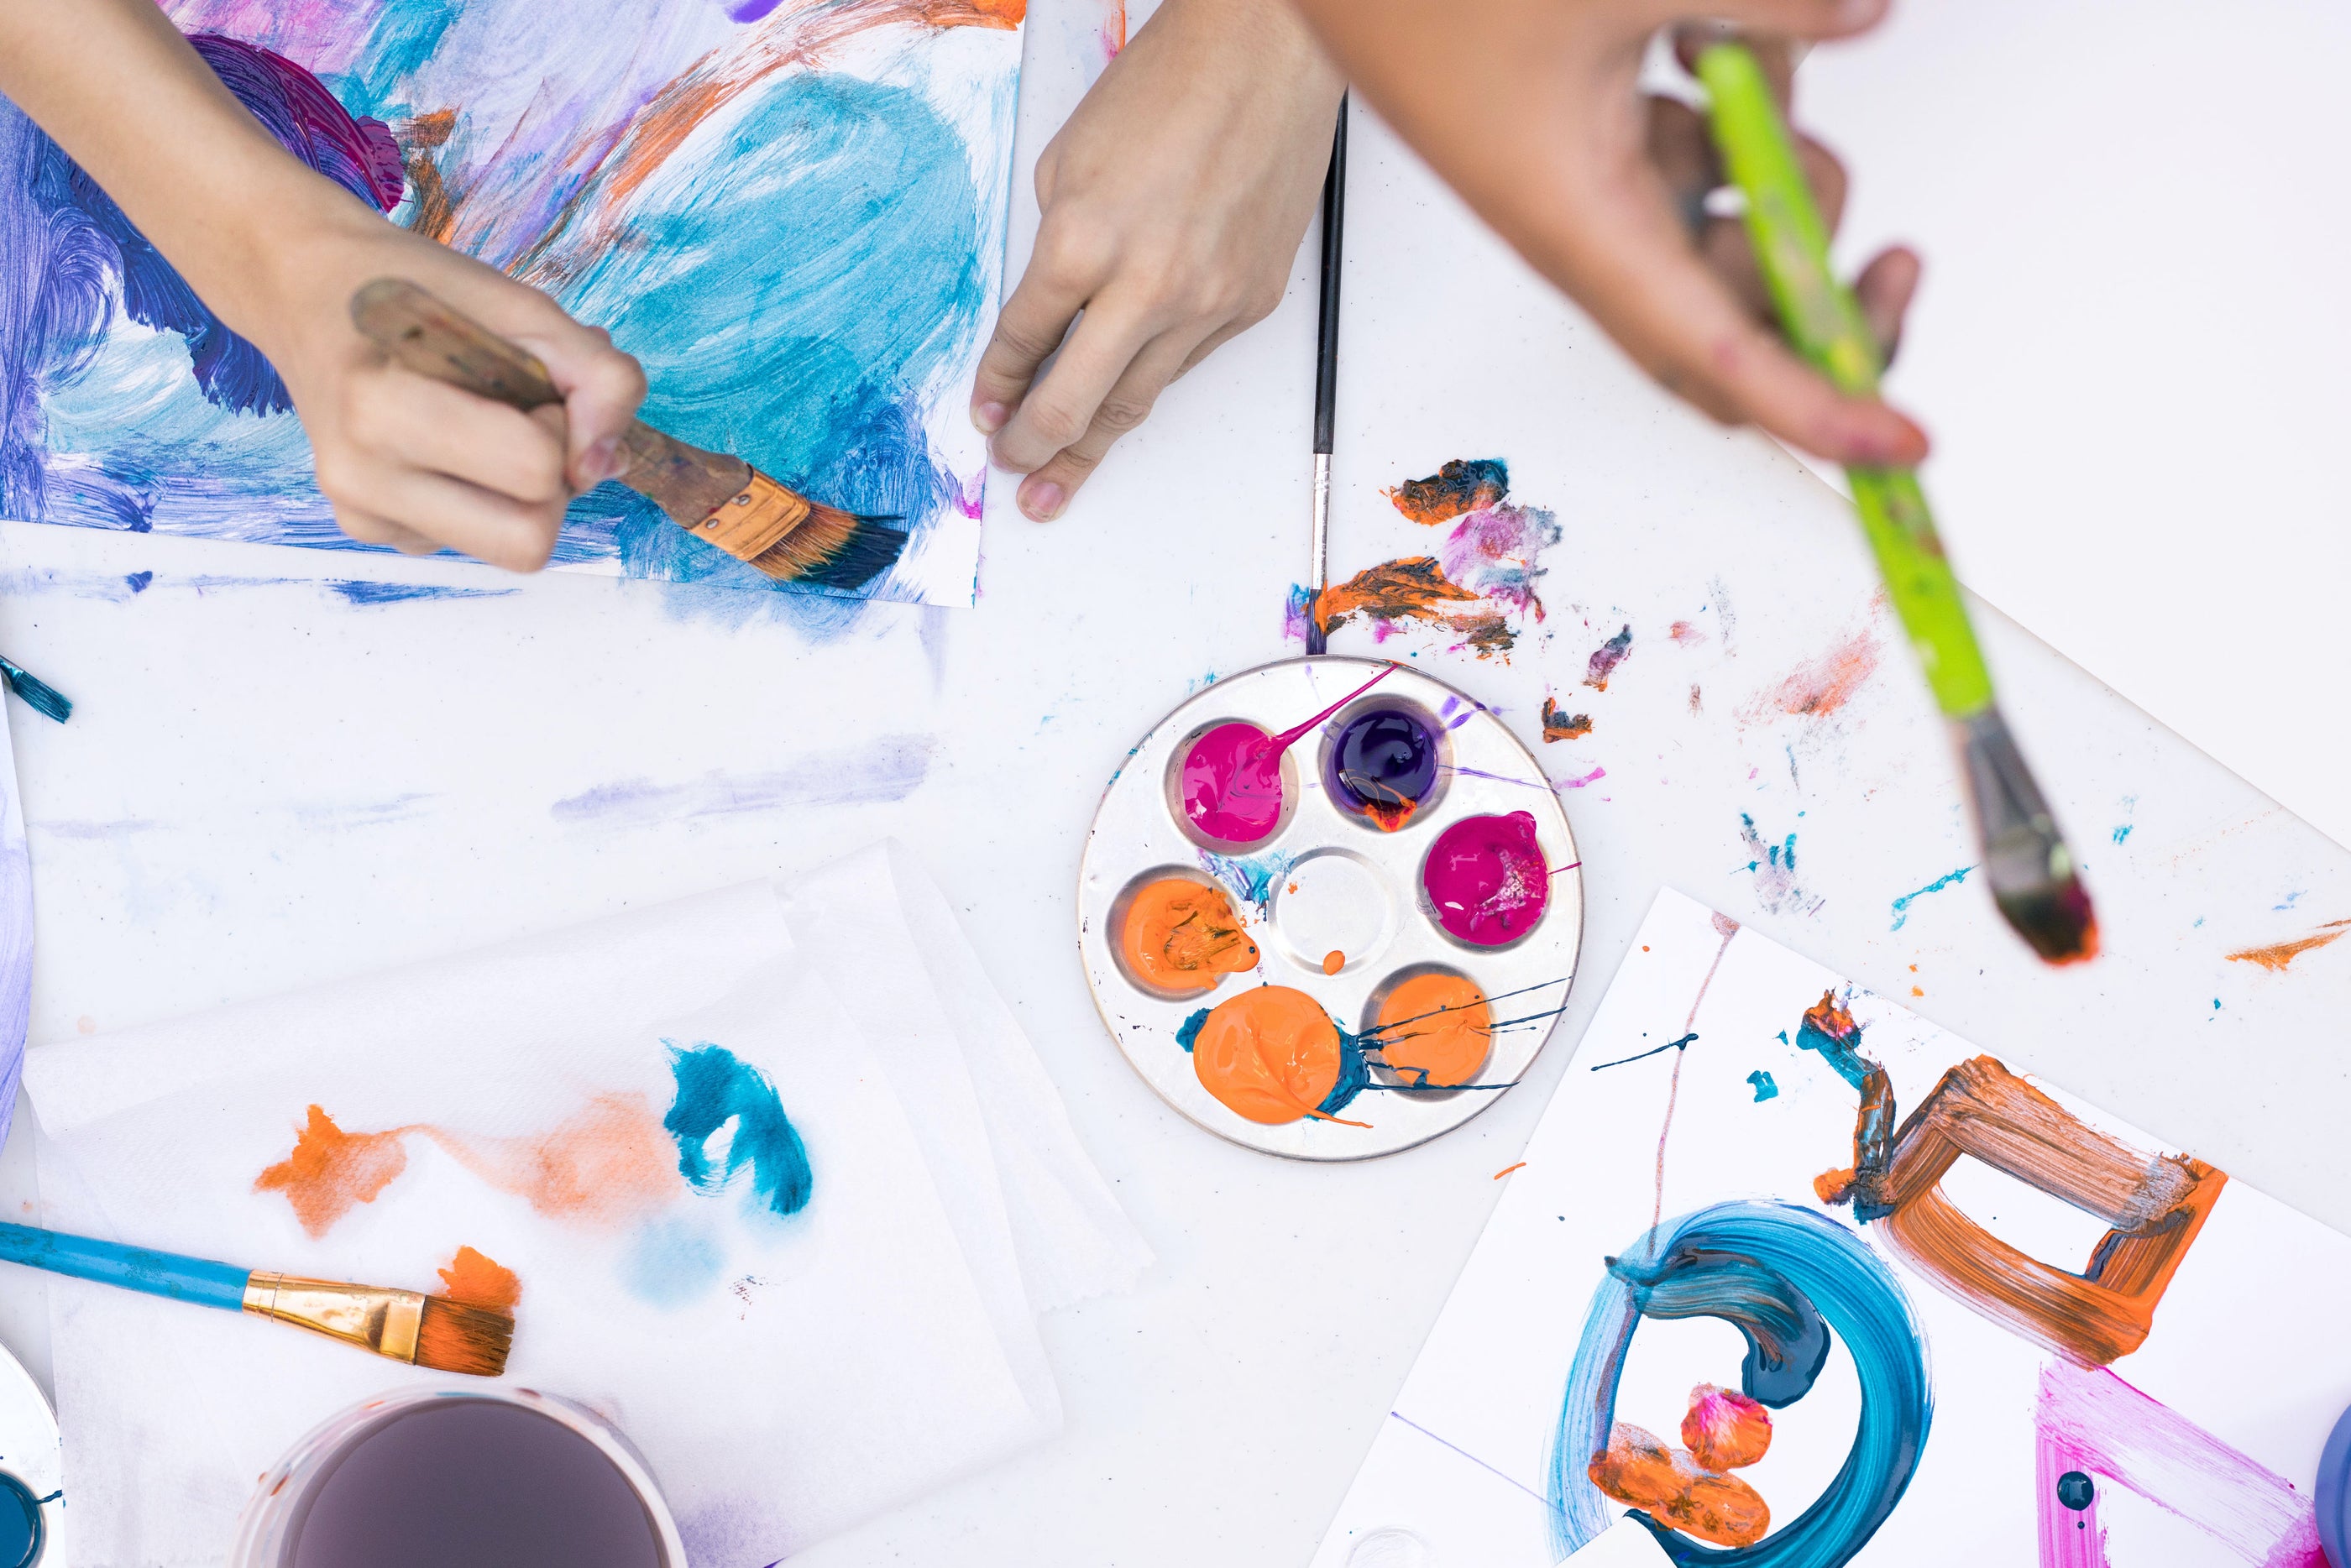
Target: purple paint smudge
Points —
{"points": [[891, 769]]}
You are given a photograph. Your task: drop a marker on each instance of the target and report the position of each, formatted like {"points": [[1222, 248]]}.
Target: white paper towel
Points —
{"points": [[817, 1370]]}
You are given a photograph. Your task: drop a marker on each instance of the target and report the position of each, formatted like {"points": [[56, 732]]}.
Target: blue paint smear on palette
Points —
{"points": [[1948, 879], [713, 1089], [1187, 1034], [1786, 1278], [1765, 1089], [1250, 878]]}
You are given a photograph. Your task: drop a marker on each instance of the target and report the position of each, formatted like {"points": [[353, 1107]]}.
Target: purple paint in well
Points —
{"points": [[1232, 774], [1486, 880]]}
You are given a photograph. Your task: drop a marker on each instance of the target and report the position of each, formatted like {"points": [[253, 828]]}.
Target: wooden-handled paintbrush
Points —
{"points": [[2032, 873], [405, 1325], [720, 500]]}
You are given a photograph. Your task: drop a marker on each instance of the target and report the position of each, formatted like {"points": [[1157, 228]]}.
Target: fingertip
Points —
{"points": [[1043, 500], [989, 417], [1876, 436]]}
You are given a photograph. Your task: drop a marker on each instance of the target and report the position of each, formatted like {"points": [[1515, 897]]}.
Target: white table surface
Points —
{"points": [[265, 787]]}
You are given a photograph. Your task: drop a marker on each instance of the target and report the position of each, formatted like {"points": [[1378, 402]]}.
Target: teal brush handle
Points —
{"points": [[1824, 322], [133, 1268]]}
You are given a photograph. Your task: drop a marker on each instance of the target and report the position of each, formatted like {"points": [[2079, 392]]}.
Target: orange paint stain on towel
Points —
{"points": [[331, 1172], [479, 1280], [1182, 937], [1270, 1054]]}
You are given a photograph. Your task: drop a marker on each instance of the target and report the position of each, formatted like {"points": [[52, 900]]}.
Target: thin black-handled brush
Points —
{"points": [[719, 499], [1326, 372], [39, 696]]}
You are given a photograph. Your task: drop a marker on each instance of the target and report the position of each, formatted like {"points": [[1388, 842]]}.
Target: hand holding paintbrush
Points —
{"points": [[2031, 872]]}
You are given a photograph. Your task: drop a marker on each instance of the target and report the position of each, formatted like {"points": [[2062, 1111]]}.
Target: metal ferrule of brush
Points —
{"points": [[369, 1317], [1315, 640], [754, 520], [2020, 838]]}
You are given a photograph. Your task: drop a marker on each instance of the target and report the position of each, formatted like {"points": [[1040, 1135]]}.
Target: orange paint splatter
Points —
{"points": [[1508, 1168], [1638, 1469], [1435, 1030], [1333, 961], [1685, 633], [1182, 937], [2278, 955], [331, 1172], [1461, 485], [1559, 725], [609, 1165], [1725, 1430], [1413, 588], [481, 1281], [1916, 990], [1822, 685], [1269, 1055]]}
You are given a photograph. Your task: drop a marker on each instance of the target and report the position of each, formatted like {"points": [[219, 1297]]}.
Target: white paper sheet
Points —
{"points": [[2199, 1446], [786, 1376]]}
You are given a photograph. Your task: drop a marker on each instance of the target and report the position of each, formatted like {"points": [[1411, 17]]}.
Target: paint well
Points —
{"points": [[1231, 777], [1182, 937], [1382, 767], [1272, 1055], [1486, 880], [1435, 1030]]}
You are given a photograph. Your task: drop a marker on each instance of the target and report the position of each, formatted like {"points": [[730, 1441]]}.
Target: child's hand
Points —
{"points": [[413, 463], [1173, 200], [1532, 110]]}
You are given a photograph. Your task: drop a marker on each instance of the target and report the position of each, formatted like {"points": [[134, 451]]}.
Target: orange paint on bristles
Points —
{"points": [[479, 1280], [1508, 1168]]}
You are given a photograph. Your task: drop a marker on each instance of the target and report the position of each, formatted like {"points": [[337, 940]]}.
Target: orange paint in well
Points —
{"points": [[2278, 955], [1434, 1031], [1269, 1055], [1638, 1469], [1182, 937], [331, 1172], [479, 1280], [1333, 961]]}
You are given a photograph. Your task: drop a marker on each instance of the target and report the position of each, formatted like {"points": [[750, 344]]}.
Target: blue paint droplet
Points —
{"points": [[1188, 1035], [2075, 1490], [714, 1089], [1765, 1089]]}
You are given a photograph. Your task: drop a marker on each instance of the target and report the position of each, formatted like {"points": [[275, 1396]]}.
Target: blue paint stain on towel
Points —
{"points": [[713, 1089], [673, 1261]]}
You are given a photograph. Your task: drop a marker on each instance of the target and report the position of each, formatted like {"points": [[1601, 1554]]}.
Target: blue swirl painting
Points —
{"points": [[791, 212]]}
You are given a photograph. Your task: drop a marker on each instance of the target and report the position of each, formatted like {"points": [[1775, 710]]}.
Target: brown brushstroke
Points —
{"points": [[435, 215], [2155, 1203], [1561, 725], [2278, 955]]}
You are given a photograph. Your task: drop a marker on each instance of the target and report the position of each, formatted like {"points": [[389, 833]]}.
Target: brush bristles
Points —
{"points": [[39, 695], [454, 1337], [833, 549]]}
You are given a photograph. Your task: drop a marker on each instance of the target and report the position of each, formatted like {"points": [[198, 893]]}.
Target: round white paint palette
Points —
{"points": [[30, 1455], [1329, 880]]}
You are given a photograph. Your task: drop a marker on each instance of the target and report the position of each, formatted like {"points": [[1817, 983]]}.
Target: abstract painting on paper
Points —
{"points": [[791, 210], [1791, 1277], [16, 935]]}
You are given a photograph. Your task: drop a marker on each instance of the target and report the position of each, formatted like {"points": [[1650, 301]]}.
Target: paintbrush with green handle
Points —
{"points": [[2032, 876]]}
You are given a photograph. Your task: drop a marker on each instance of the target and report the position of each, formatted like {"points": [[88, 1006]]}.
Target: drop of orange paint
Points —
{"points": [[479, 1280], [1436, 1030], [1182, 937], [1333, 961], [1269, 1055], [331, 1172]]}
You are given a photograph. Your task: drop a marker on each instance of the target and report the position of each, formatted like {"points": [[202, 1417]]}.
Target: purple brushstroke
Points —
{"points": [[2092, 1421], [891, 769]]}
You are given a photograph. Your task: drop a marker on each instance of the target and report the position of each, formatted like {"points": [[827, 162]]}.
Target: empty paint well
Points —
{"points": [[1333, 900]]}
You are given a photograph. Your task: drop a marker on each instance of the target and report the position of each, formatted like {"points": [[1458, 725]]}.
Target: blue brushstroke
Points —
{"points": [[1188, 1033], [139, 580], [714, 1089], [892, 768], [2123, 832], [1765, 1089], [1949, 878], [1786, 1277], [1838, 1050], [366, 593], [1250, 878], [1354, 1074]]}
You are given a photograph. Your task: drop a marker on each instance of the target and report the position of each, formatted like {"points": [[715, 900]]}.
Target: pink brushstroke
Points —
{"points": [[1595, 776], [1492, 553], [2091, 1420]]}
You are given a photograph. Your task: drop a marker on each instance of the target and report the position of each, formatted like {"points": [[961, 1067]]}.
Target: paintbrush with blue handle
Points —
{"points": [[39, 696], [402, 1325]]}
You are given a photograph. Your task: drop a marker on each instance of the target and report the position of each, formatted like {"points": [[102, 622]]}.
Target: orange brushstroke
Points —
{"points": [[793, 35], [481, 1282], [1436, 1030], [1686, 634], [1333, 961], [1822, 685], [1454, 489], [1508, 1168], [1182, 937], [2277, 955], [1638, 1469], [1411, 588], [1270, 1054], [609, 1164], [1560, 726], [1724, 1429], [331, 1172]]}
